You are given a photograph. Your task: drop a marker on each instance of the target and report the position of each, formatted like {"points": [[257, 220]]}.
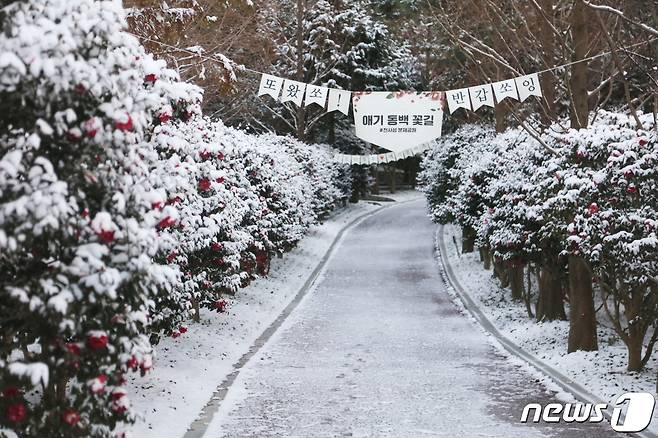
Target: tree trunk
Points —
{"points": [[301, 110], [485, 255], [636, 330], [582, 316], [547, 40], [501, 273], [578, 84], [468, 240], [550, 302], [516, 281]]}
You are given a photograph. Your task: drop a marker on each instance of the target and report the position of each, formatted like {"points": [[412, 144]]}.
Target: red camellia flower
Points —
{"points": [[74, 135], [593, 208], [204, 184], [125, 126], [85, 213], [643, 142], [164, 117], [132, 363], [97, 341], [10, 392], [220, 156], [98, 384], [166, 223], [220, 305], [631, 189], [629, 174], [16, 412], [183, 329], [220, 180], [73, 348], [118, 394], [156, 205], [205, 155], [150, 78], [175, 334], [71, 417], [216, 246], [105, 236]]}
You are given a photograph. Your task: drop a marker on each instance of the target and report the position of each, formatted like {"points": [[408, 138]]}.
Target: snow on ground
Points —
{"points": [[188, 369], [603, 373], [378, 349]]}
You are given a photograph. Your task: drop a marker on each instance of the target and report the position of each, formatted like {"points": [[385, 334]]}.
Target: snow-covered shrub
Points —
{"points": [[78, 233], [584, 210]]}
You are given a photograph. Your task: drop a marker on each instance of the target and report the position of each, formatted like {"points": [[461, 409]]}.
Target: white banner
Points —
{"points": [[505, 89], [458, 99], [317, 95], [528, 86], [270, 85], [482, 95], [293, 91], [339, 100], [380, 158], [398, 120]]}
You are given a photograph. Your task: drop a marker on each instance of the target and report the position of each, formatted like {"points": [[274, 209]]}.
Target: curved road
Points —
{"points": [[378, 349]]}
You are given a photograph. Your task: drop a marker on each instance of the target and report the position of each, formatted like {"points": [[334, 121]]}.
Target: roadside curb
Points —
{"points": [[199, 427], [564, 382]]}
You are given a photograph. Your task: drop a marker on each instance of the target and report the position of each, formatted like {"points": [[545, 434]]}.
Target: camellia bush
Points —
{"points": [[122, 212], [577, 217]]}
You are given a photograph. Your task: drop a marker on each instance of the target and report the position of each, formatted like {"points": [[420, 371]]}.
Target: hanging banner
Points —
{"points": [[339, 100], [380, 158], [317, 95], [528, 86], [505, 89], [293, 91], [398, 120], [458, 99], [270, 85], [482, 95]]}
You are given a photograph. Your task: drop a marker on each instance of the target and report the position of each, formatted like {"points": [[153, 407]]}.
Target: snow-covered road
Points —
{"points": [[378, 349]]}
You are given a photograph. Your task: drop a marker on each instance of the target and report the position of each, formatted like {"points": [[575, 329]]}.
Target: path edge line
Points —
{"points": [[564, 382], [199, 426]]}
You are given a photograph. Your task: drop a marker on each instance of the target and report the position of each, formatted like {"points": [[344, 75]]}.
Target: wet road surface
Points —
{"points": [[378, 349]]}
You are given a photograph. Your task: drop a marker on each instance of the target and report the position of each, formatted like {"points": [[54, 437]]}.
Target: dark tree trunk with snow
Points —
{"points": [[501, 273], [550, 302], [468, 240], [516, 280], [582, 317], [485, 257], [547, 40], [579, 92]]}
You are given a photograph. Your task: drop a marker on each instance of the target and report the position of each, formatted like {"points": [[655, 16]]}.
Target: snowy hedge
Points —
{"points": [[576, 212], [122, 211]]}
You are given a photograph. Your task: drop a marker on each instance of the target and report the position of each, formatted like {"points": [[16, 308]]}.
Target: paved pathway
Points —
{"points": [[379, 350]]}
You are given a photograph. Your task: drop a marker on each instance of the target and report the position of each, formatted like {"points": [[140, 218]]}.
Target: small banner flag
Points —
{"points": [[458, 99], [317, 95], [528, 86], [398, 120], [270, 85], [482, 95], [505, 89], [293, 91], [339, 100]]}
